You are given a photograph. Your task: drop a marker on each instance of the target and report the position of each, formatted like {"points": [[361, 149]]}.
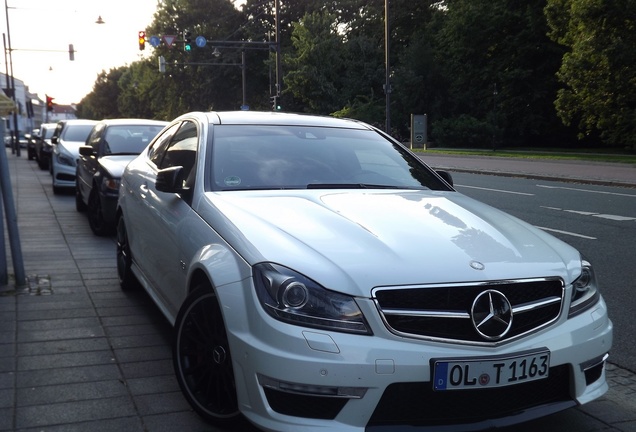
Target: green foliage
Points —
{"points": [[599, 69], [463, 132], [486, 72]]}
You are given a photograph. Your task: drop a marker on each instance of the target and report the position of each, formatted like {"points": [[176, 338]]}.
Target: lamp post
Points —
{"points": [[387, 81]]}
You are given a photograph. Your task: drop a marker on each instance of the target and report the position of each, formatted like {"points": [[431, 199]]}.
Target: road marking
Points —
{"points": [[567, 233], [587, 190], [496, 190], [617, 218]]}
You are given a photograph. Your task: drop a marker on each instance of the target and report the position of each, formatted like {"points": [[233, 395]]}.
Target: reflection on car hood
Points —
{"points": [[115, 164], [354, 240], [71, 146]]}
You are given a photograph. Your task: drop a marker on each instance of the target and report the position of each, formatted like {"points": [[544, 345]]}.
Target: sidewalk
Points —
{"points": [[78, 354]]}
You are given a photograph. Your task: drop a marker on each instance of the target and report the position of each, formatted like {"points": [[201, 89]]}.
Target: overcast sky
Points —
{"points": [[41, 31]]}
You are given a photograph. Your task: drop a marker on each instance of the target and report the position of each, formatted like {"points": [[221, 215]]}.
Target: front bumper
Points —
{"points": [[63, 175], [289, 377]]}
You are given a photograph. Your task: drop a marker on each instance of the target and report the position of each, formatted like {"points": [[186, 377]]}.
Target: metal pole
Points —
{"points": [[243, 77], [12, 220], [15, 141], [387, 82], [278, 59]]}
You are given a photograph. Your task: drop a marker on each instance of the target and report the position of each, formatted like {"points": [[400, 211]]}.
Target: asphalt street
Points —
{"points": [[78, 354]]}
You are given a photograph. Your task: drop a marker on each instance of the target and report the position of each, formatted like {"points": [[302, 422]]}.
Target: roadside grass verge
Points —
{"points": [[602, 155]]}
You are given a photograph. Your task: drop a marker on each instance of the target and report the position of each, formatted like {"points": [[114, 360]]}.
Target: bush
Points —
{"points": [[464, 132]]}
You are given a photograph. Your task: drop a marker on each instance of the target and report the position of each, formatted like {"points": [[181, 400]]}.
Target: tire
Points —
{"points": [[80, 206], [43, 163], [202, 361], [127, 280], [95, 216]]}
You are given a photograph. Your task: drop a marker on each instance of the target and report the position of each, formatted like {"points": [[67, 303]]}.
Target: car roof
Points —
{"points": [[132, 121], [278, 118]]}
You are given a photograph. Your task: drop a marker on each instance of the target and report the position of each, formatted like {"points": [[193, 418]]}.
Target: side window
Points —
{"points": [[93, 138], [182, 152], [158, 149]]}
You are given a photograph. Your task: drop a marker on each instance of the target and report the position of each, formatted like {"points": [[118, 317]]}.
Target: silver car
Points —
{"points": [[320, 276], [69, 135]]}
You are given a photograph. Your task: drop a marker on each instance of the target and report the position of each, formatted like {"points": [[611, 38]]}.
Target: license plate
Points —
{"points": [[487, 372]]}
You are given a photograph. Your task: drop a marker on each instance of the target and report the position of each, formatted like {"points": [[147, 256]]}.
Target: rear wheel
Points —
{"points": [[96, 217], [202, 360], [127, 279]]}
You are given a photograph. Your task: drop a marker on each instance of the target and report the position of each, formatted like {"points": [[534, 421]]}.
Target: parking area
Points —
{"points": [[78, 354]]}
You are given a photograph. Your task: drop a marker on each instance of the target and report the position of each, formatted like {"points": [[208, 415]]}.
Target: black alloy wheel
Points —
{"points": [[127, 280], [95, 216], [202, 360]]}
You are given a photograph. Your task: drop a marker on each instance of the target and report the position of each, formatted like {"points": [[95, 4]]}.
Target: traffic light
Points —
{"points": [[275, 103], [142, 40], [71, 52], [187, 40], [49, 103]]}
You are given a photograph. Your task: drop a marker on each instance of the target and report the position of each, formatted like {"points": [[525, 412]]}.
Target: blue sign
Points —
{"points": [[154, 41], [200, 41]]}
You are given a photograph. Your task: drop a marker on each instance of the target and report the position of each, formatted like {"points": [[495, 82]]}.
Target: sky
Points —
{"points": [[41, 31]]}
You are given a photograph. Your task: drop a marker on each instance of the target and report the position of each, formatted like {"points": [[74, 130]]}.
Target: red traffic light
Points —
{"points": [[142, 40], [49, 103]]}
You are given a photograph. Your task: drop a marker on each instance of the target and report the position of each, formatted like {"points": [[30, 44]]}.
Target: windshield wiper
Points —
{"points": [[351, 186]]}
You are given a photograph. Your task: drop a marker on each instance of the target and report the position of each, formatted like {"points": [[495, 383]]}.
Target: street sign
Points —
{"points": [[154, 41], [200, 41], [169, 39]]}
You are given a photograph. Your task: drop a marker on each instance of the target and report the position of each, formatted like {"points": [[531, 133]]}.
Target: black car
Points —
{"points": [[43, 146], [109, 147], [31, 139]]}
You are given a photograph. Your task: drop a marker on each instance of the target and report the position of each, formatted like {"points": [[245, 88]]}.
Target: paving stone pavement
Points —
{"points": [[79, 354]]}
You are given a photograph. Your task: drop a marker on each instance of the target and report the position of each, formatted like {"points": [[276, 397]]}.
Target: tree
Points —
{"points": [[599, 68], [101, 103], [500, 67]]}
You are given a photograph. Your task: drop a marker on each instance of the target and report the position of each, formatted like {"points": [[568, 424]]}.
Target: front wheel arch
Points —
{"points": [[202, 359]]}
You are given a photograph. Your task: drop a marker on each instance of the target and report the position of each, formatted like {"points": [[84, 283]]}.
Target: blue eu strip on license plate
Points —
{"points": [[488, 372]]}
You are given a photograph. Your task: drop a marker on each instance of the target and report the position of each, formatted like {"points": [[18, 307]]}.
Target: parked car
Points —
{"points": [[43, 145], [320, 276], [109, 147], [31, 140], [69, 135]]}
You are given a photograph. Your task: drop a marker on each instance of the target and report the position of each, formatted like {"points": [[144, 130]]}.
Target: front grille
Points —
{"points": [[443, 312], [417, 404]]}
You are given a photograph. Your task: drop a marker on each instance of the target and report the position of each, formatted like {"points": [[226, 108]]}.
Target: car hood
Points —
{"points": [[71, 146], [354, 240], [115, 164]]}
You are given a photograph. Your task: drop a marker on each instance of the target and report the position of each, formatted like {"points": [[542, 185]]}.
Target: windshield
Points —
{"points": [[129, 139], [293, 157], [77, 132]]}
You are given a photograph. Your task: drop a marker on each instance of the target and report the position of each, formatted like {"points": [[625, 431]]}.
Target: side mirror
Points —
{"points": [[86, 151], [54, 139], [170, 180], [446, 176]]}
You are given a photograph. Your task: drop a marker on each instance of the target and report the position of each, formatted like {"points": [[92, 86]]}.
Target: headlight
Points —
{"points": [[64, 157], [584, 290], [291, 297]]}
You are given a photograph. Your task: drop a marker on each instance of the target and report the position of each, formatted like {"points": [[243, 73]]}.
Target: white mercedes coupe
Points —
{"points": [[320, 276]]}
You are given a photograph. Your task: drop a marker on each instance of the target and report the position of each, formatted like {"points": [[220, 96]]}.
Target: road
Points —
{"points": [[599, 221]]}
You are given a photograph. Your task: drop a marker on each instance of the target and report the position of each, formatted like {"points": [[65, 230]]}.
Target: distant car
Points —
{"points": [[69, 135], [32, 139], [43, 145], [320, 277], [109, 147]]}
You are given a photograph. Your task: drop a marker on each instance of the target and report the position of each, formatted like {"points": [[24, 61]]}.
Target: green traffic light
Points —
{"points": [[187, 47]]}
